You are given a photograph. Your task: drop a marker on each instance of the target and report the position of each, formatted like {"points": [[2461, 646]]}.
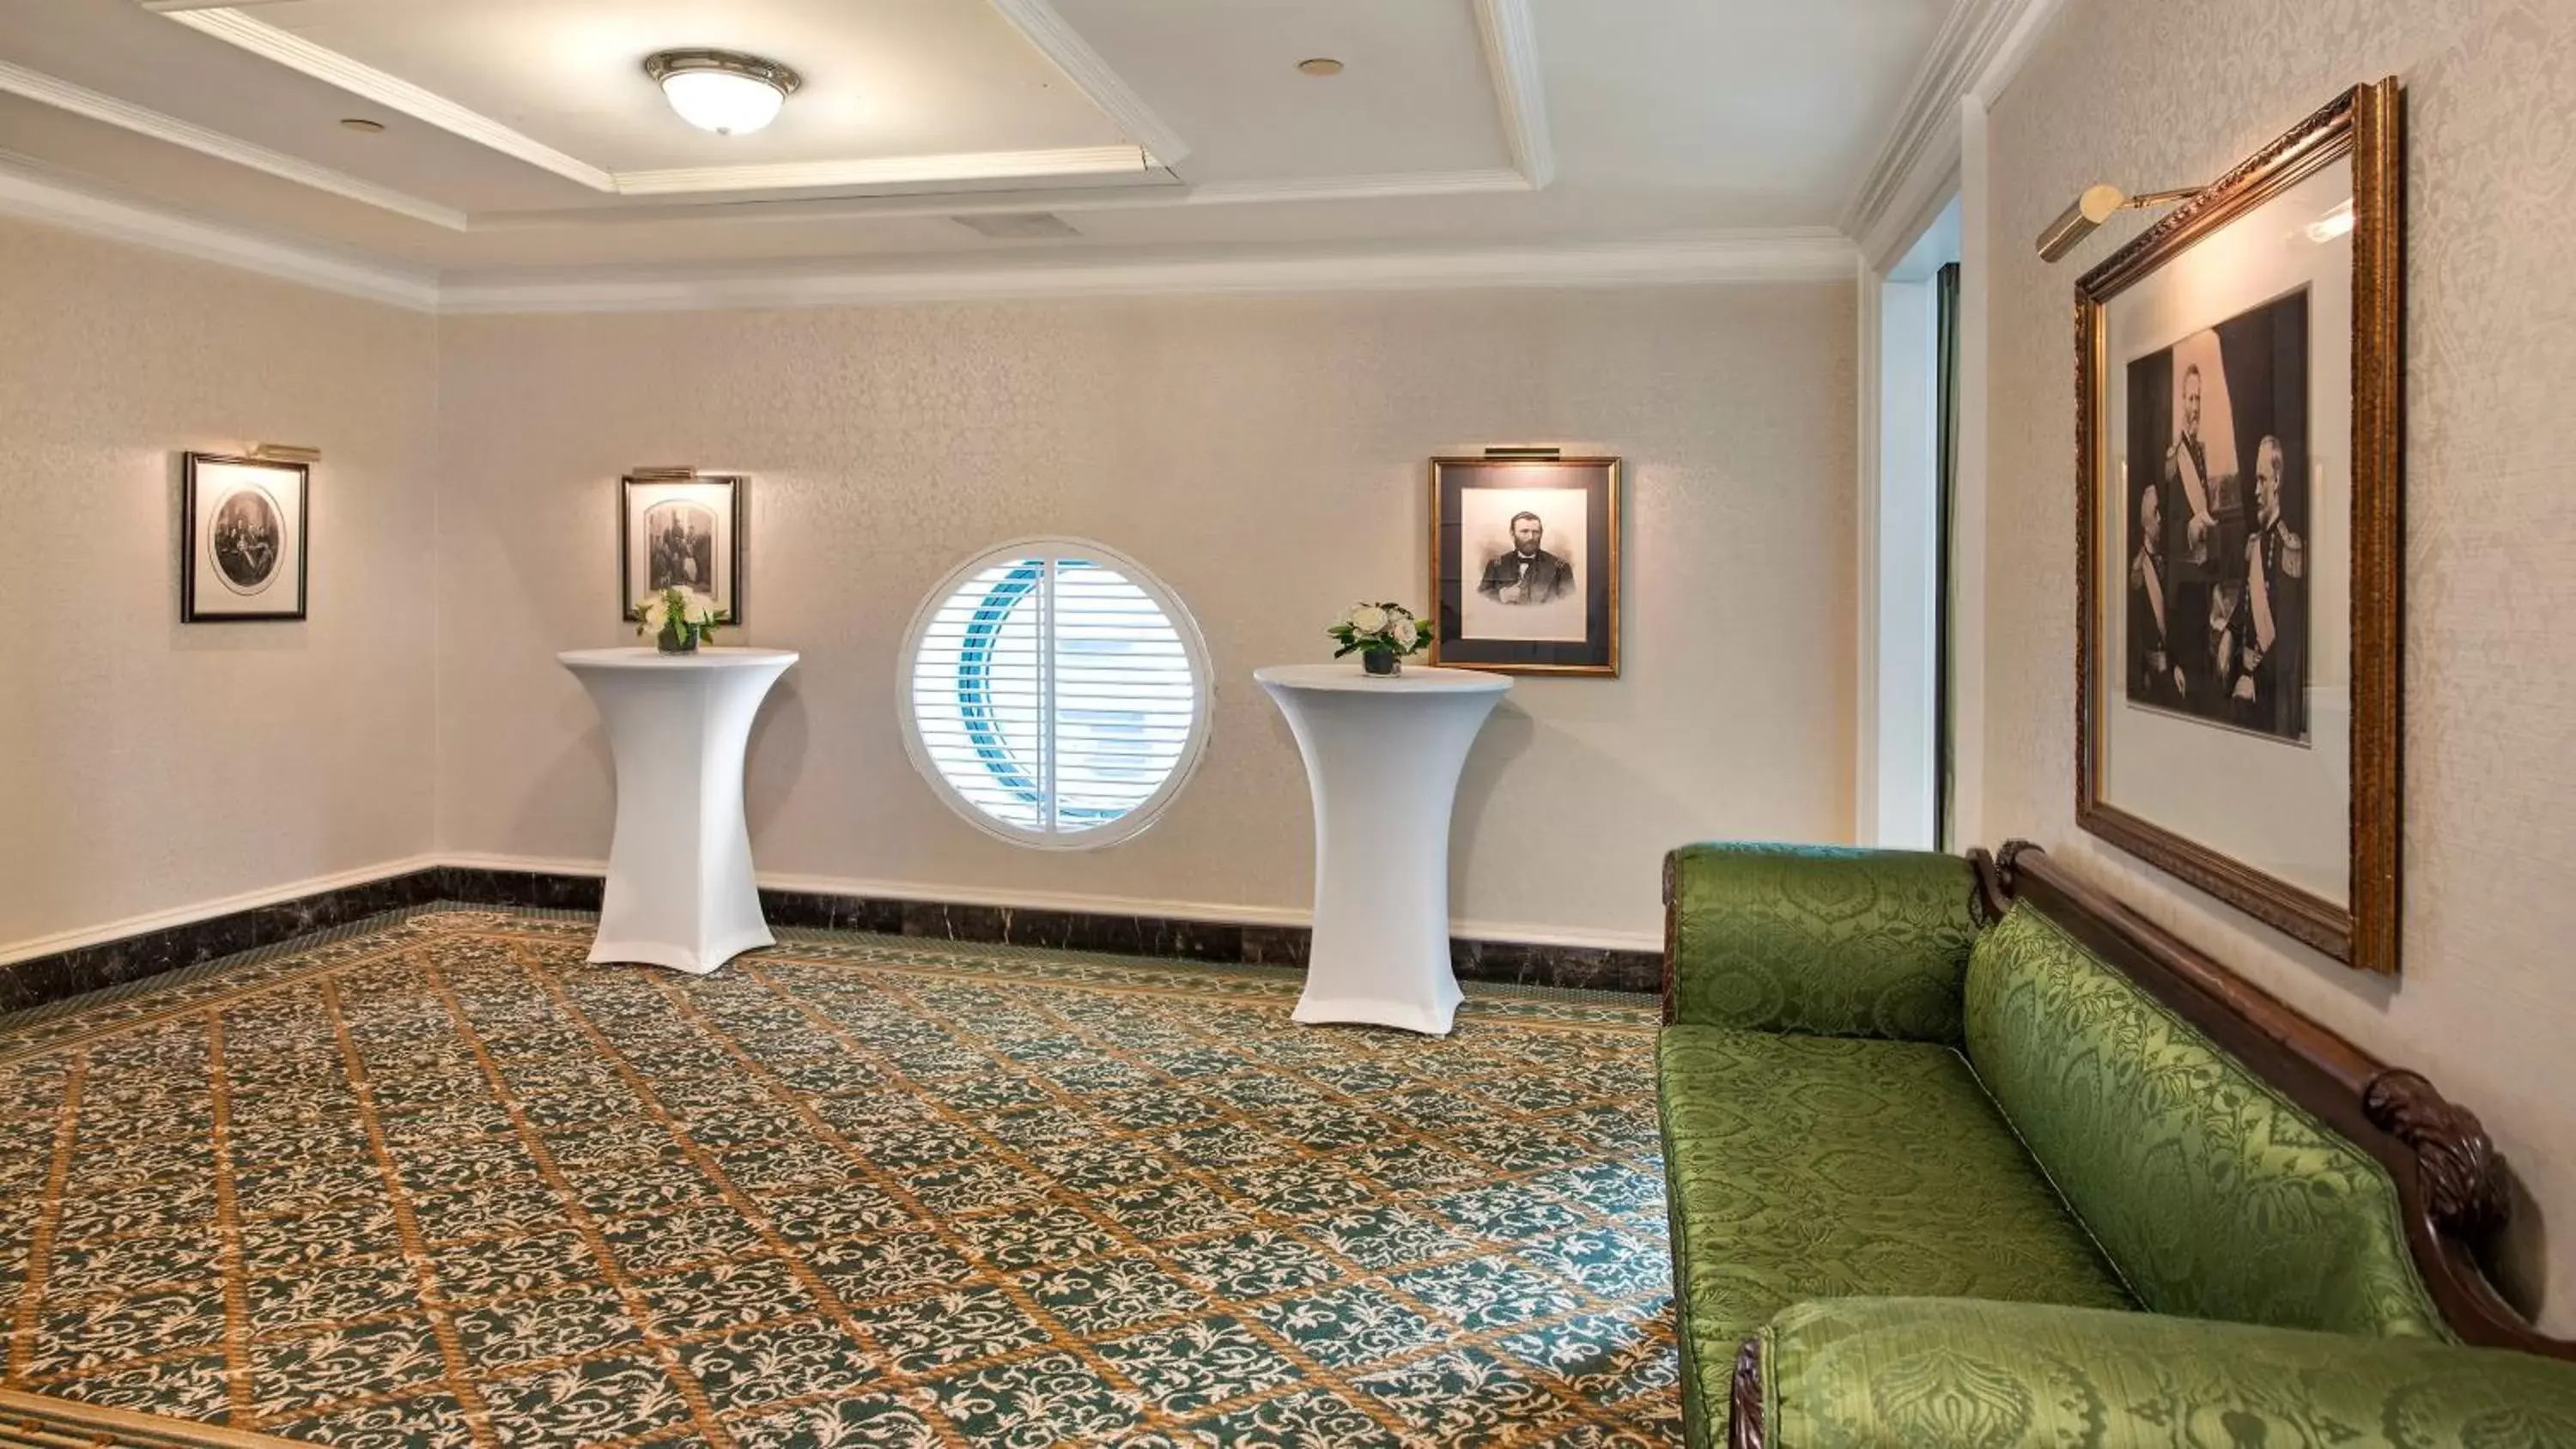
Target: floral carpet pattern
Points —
{"points": [[441, 1183]]}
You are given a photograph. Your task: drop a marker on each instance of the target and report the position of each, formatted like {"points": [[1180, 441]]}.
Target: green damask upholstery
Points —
{"points": [[1923, 1156], [2215, 1196], [1860, 1373], [1809, 1167], [1817, 939]]}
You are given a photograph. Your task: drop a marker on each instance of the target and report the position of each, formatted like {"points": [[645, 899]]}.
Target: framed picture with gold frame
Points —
{"points": [[1525, 564], [2238, 428]]}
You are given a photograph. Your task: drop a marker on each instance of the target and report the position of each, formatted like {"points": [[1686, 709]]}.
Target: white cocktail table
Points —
{"points": [[680, 890], [1382, 757]]}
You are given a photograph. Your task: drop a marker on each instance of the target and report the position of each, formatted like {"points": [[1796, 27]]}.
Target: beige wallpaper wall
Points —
{"points": [[145, 766], [2166, 94], [1266, 458]]}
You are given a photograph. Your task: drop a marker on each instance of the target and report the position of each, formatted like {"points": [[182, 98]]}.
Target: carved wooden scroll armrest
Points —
{"points": [[2463, 1183]]}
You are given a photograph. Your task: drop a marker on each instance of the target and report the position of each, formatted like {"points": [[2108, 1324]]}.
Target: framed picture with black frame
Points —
{"points": [[242, 539], [681, 530], [1525, 563]]}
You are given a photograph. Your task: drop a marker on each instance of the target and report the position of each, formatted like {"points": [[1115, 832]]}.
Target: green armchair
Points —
{"points": [[1955, 1155]]}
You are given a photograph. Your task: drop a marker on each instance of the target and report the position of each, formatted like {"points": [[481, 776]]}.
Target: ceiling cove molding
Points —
{"points": [[1796, 255], [34, 197], [1920, 158], [1037, 21], [331, 67], [2017, 46], [1359, 188], [1783, 256], [1158, 189], [81, 101], [889, 171], [1511, 53]]}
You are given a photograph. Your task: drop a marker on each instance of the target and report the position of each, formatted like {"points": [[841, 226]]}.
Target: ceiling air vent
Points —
{"points": [[1017, 225]]}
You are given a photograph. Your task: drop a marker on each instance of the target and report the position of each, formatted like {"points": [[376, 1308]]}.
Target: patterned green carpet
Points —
{"points": [[442, 1184]]}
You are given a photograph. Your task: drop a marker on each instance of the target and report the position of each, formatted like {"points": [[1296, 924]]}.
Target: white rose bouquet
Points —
{"points": [[1381, 634], [678, 619]]}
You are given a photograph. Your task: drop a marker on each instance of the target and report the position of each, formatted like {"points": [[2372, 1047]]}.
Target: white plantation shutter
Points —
{"points": [[1055, 693]]}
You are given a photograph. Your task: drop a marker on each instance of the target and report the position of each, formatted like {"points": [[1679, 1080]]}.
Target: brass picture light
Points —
{"points": [[2095, 207]]}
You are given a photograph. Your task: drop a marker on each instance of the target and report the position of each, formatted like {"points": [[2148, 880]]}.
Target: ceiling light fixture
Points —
{"points": [[1321, 65], [361, 125], [723, 91]]}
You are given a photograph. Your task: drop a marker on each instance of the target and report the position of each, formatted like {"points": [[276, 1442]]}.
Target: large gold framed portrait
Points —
{"points": [[1525, 564], [2237, 430]]}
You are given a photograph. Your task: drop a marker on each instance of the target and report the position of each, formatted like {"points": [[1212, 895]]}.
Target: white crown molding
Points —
{"points": [[1511, 54], [1719, 258], [1161, 189], [1811, 254], [1357, 188], [1919, 160], [2007, 61], [1018, 900], [81, 101], [34, 197], [888, 171], [331, 67], [1037, 21], [206, 910]]}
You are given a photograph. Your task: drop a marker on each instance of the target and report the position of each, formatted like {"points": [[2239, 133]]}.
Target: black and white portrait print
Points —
{"points": [[2217, 512], [683, 547], [243, 558], [1526, 573], [1524, 544], [248, 539]]}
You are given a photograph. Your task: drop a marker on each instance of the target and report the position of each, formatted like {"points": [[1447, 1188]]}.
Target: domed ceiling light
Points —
{"points": [[723, 91]]}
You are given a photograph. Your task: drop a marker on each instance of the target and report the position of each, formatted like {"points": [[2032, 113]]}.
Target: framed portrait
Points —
{"points": [[242, 531], [1525, 564], [2238, 428], [681, 533]]}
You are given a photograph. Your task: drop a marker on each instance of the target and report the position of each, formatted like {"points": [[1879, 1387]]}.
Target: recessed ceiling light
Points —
{"points": [[361, 125], [723, 91], [1321, 65]]}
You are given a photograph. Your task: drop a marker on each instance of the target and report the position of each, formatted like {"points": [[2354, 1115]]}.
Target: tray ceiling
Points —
{"points": [[522, 134]]}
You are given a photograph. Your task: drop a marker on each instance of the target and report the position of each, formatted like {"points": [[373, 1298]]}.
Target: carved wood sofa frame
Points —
{"points": [[2450, 1180]]}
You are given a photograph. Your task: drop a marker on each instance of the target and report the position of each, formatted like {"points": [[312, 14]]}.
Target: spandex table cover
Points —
{"points": [[680, 890], [1382, 757]]}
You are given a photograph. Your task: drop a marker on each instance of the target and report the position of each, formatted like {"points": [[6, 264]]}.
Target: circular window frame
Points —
{"points": [[1193, 648]]}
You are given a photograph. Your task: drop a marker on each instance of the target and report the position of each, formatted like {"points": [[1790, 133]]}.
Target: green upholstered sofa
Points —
{"points": [[1963, 1153]]}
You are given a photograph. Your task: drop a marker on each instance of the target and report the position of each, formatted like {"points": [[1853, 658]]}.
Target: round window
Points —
{"points": [[1054, 693]]}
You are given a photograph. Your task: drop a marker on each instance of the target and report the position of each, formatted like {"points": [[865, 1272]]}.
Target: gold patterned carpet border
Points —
{"points": [[33, 1421], [441, 1183]]}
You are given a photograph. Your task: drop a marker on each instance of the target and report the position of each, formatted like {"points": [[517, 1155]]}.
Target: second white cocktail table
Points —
{"points": [[1383, 756], [680, 891]]}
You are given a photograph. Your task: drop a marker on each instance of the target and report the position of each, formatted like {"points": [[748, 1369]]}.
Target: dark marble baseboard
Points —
{"points": [[44, 979], [1517, 963]]}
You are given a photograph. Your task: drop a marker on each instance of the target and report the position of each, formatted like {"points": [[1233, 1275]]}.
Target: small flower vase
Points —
{"points": [[1380, 662], [678, 638]]}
